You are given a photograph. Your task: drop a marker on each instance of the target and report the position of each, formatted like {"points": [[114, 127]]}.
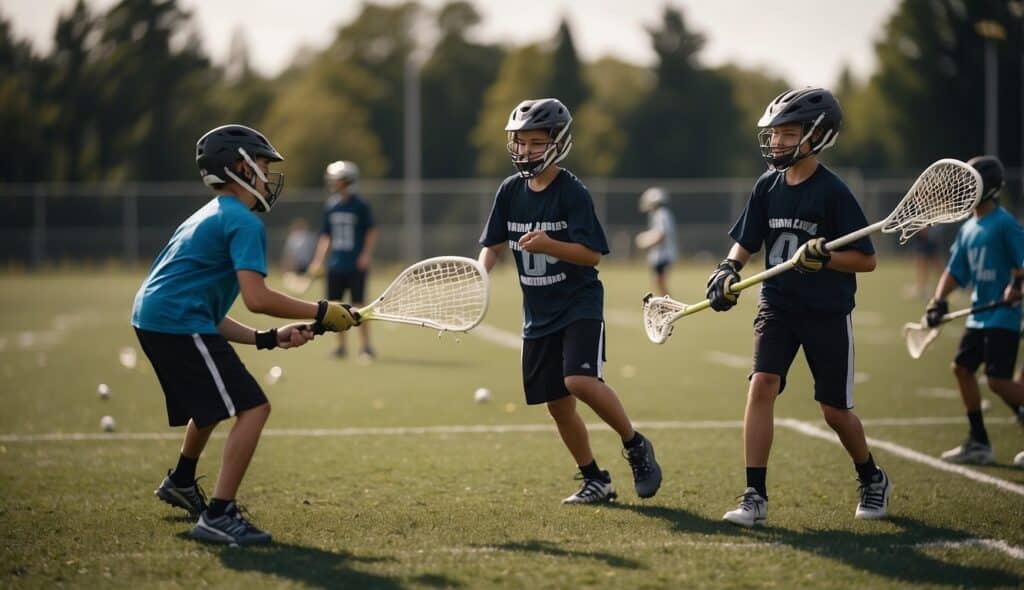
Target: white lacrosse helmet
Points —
{"points": [[342, 170], [653, 198]]}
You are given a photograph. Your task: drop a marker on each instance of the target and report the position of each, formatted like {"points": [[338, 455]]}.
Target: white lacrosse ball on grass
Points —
{"points": [[107, 423], [103, 390], [481, 395], [1019, 459]]}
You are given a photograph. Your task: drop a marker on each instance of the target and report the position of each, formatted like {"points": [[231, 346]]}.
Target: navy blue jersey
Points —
{"points": [[782, 217], [555, 293], [346, 222]]}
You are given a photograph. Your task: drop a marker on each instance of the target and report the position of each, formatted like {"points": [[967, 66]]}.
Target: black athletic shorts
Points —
{"points": [[660, 268], [827, 340], [354, 282], [201, 375], [577, 349], [995, 347]]}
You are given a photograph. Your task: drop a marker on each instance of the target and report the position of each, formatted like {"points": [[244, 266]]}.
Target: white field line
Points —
{"points": [[727, 359], [498, 336], [906, 453], [13, 437], [990, 544]]}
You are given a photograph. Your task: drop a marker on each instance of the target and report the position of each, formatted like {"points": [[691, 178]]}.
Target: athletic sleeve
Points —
{"points": [[325, 225], [496, 228], [584, 227], [849, 218], [752, 226], [247, 242], [1014, 235], [958, 266]]}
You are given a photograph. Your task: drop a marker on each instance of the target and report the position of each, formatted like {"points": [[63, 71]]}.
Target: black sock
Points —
{"points": [[978, 432], [217, 507], [635, 441], [867, 470], [185, 473], [756, 477], [592, 471]]}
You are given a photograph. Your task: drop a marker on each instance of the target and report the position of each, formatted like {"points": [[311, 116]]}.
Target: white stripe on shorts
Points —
{"points": [[849, 361], [214, 373], [600, 355]]}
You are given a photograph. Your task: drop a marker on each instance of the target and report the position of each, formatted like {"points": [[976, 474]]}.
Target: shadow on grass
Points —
{"points": [[898, 556], [547, 548], [318, 568]]}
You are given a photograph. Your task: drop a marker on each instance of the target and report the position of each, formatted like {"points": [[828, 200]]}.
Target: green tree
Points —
{"points": [[751, 91], [454, 81], [688, 125], [73, 90], [24, 153], [600, 133], [931, 78], [566, 81]]}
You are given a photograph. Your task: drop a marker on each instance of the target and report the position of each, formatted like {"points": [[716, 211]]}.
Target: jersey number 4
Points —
{"points": [[783, 249]]}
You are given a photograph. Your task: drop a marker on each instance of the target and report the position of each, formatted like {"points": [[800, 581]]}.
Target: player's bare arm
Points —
{"points": [[489, 255], [852, 261], [539, 242], [259, 298], [289, 336], [369, 244], [317, 265]]}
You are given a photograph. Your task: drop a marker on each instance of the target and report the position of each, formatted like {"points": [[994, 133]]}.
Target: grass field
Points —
{"points": [[390, 476]]}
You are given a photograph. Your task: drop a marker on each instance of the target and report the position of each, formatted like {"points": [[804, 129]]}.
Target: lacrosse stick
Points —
{"points": [[946, 192], [446, 293], [920, 336]]}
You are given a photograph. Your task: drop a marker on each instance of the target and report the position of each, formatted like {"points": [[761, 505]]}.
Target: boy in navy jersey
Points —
{"points": [[180, 318], [545, 215], [988, 253], [347, 239], [794, 208]]}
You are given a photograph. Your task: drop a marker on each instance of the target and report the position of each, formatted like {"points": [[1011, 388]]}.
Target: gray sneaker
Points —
{"points": [[971, 452], [191, 498], [230, 528], [646, 471]]}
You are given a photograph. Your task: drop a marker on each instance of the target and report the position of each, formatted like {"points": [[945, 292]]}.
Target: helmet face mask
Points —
{"points": [[819, 116], [545, 114]]}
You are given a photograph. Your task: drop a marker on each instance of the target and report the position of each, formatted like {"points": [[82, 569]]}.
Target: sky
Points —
{"points": [[807, 42]]}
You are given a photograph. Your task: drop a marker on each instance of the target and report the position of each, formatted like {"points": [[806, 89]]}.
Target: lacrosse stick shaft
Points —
{"points": [[973, 310]]}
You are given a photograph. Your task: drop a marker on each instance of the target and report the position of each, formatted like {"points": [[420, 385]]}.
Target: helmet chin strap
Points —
{"points": [[256, 169]]}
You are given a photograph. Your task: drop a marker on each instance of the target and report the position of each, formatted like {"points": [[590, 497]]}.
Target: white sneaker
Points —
{"points": [[752, 511], [1019, 460], [593, 491], [874, 498], [971, 452]]}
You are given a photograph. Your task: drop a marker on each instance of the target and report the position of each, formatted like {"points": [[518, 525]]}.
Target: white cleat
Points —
{"points": [[874, 498], [752, 511], [593, 491], [971, 452]]}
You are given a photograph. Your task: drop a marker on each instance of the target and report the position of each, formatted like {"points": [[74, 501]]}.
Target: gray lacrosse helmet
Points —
{"points": [[342, 170], [540, 113], [815, 109]]}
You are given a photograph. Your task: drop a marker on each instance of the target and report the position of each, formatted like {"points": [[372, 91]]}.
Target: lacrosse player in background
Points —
{"points": [[545, 215], [989, 254], [180, 318], [793, 209], [348, 236], [660, 237]]}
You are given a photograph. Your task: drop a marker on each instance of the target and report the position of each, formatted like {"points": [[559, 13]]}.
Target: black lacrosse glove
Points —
{"points": [[334, 317], [726, 273], [812, 256], [935, 310]]}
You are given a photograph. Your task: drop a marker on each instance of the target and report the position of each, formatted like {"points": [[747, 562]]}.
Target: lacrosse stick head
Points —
{"points": [[918, 337], [946, 192], [659, 313], [446, 293]]}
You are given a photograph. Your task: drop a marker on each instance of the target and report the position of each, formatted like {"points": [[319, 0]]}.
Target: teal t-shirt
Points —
{"points": [[192, 283], [983, 254]]}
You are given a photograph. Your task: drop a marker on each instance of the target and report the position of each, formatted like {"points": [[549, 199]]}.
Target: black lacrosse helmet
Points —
{"points": [[220, 148], [815, 109], [992, 175], [540, 113]]}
